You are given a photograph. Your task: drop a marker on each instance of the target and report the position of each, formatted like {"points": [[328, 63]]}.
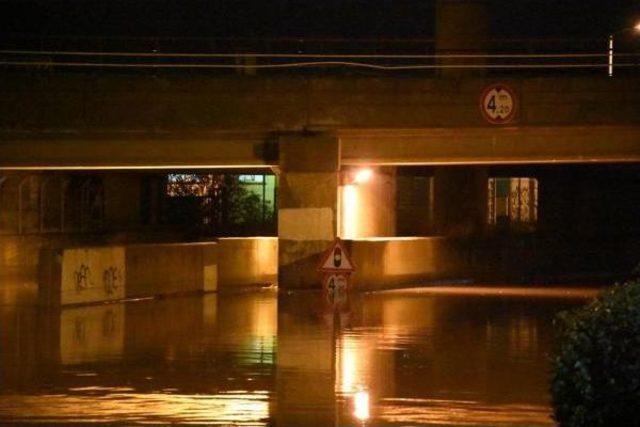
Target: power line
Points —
{"points": [[305, 55], [312, 64]]}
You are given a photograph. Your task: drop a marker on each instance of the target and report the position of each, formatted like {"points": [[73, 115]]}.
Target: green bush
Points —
{"points": [[596, 370]]}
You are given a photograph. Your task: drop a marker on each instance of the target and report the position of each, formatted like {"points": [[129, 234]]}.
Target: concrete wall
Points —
{"points": [[96, 274], [404, 261], [157, 269], [20, 252], [368, 209], [247, 261]]}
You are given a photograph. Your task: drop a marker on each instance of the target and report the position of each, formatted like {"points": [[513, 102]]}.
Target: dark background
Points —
{"points": [[300, 18]]}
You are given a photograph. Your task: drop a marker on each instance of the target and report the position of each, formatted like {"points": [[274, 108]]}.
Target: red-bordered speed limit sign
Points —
{"points": [[498, 104]]}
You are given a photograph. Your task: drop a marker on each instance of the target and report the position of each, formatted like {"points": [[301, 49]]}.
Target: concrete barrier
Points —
{"points": [[404, 261], [160, 269], [247, 261], [98, 274], [81, 275]]}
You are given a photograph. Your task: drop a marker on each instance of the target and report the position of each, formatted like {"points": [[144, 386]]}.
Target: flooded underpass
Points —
{"points": [[435, 356]]}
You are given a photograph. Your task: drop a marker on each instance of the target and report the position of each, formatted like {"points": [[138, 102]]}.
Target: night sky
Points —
{"points": [[298, 18]]}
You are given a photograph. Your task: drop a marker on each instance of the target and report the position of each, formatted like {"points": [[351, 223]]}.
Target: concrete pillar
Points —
{"points": [[462, 27], [368, 209], [460, 200], [307, 205]]}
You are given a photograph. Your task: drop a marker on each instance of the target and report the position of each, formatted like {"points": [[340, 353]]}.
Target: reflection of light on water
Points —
{"points": [[261, 345], [361, 405], [265, 318], [353, 359], [347, 362], [516, 292], [523, 336], [461, 412], [91, 333], [352, 362], [118, 405]]}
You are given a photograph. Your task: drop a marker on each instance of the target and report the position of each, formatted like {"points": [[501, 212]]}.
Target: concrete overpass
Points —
{"points": [[310, 129], [71, 120]]}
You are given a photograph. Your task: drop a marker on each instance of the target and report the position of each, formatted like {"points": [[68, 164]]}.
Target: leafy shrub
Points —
{"points": [[596, 378]]}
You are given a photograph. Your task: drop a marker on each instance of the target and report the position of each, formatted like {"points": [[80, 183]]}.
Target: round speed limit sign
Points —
{"points": [[498, 104]]}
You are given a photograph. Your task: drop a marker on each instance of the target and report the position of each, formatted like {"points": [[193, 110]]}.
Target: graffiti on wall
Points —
{"points": [[112, 279], [82, 277]]}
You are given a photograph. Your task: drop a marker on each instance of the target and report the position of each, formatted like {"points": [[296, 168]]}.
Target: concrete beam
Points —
{"points": [[135, 150], [507, 145]]}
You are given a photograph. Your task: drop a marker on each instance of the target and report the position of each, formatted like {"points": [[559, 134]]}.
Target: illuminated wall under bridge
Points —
{"points": [[367, 199]]}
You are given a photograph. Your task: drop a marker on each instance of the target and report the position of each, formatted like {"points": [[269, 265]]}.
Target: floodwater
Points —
{"points": [[437, 356]]}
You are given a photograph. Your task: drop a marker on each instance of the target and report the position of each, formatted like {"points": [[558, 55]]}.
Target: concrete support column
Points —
{"points": [[460, 200], [307, 205]]}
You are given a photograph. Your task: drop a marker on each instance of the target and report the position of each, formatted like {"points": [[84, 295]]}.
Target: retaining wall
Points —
{"points": [[105, 273], [96, 274], [404, 261], [246, 261]]}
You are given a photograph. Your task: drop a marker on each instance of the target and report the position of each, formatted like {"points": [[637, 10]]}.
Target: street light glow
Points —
{"points": [[363, 176], [361, 405]]}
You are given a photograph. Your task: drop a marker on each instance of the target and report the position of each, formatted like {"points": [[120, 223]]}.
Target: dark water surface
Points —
{"points": [[440, 356]]}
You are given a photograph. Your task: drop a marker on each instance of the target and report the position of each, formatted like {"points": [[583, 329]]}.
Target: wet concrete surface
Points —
{"points": [[436, 356]]}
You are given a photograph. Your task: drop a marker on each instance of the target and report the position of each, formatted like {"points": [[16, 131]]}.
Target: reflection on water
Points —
{"points": [[419, 357], [108, 404]]}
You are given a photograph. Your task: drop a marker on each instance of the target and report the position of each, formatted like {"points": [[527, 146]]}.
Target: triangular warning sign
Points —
{"points": [[336, 259]]}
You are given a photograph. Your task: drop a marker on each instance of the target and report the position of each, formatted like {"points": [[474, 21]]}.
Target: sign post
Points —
{"points": [[336, 269]]}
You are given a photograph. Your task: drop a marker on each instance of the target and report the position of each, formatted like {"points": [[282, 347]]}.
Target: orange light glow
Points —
{"points": [[350, 212], [363, 176], [361, 405]]}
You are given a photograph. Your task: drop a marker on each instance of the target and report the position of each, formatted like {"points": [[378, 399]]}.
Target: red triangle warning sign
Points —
{"points": [[336, 259]]}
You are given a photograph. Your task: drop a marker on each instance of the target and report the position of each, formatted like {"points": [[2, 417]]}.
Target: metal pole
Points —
{"points": [[611, 55], [264, 192]]}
